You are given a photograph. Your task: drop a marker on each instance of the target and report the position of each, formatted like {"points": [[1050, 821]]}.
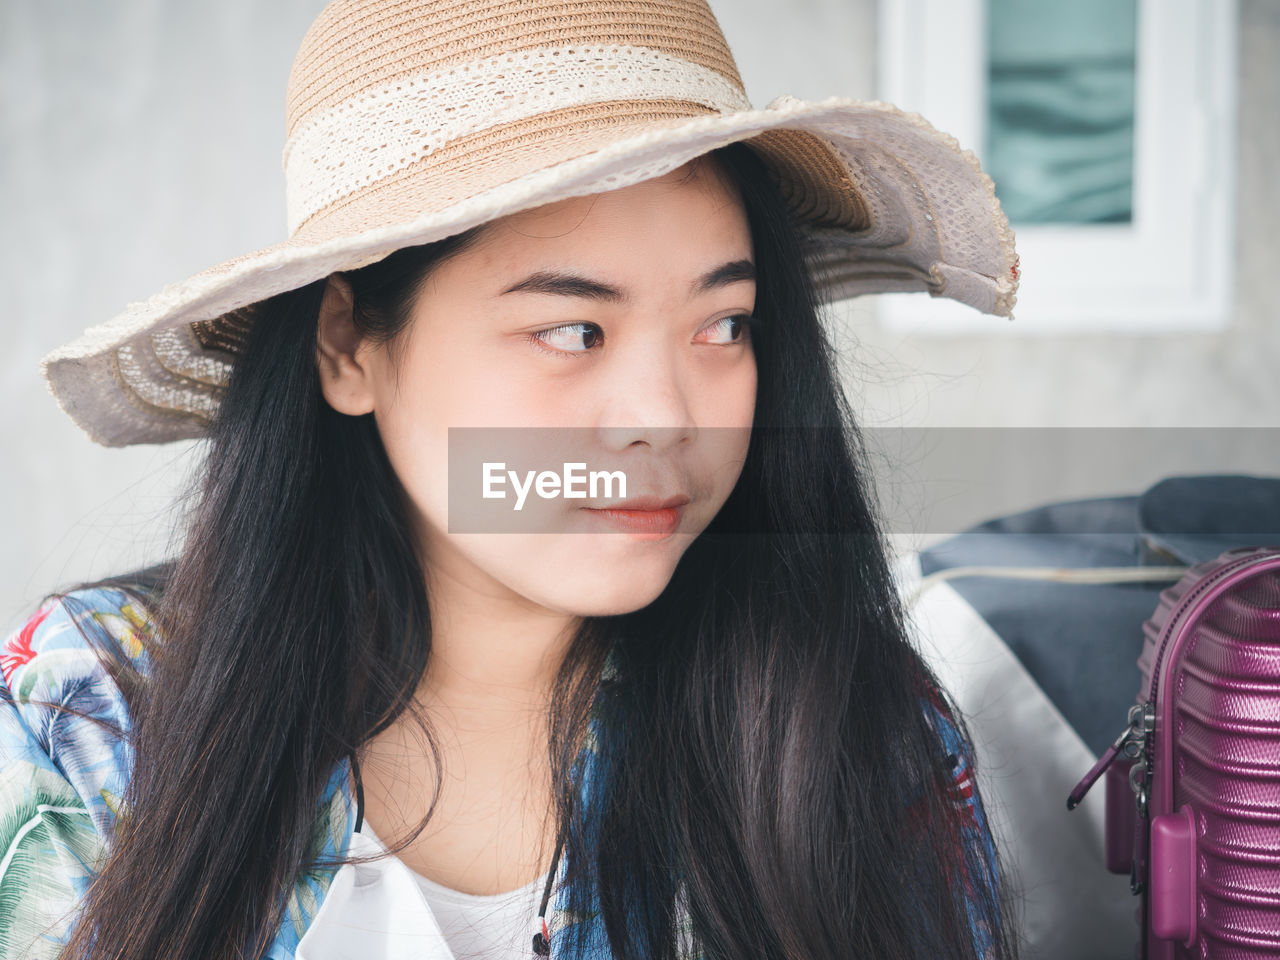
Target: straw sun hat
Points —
{"points": [[408, 121]]}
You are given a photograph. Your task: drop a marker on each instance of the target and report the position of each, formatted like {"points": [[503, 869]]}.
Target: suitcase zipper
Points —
{"points": [[1143, 717], [1132, 742]]}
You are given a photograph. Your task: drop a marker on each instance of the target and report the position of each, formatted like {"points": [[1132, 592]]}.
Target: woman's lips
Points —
{"points": [[653, 524]]}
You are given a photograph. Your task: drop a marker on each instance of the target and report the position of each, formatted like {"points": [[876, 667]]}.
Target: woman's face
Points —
{"points": [[608, 331]]}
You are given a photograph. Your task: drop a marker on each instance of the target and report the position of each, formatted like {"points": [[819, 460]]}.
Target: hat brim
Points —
{"points": [[934, 225]]}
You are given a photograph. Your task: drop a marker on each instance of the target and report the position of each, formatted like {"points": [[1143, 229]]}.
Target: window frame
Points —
{"points": [[1172, 267]]}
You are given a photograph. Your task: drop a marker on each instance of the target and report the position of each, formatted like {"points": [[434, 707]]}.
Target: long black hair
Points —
{"points": [[770, 760]]}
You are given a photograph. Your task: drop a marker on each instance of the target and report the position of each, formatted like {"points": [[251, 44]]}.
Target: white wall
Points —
{"points": [[142, 144]]}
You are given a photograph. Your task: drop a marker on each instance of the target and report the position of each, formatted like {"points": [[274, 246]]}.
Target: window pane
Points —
{"points": [[1060, 109]]}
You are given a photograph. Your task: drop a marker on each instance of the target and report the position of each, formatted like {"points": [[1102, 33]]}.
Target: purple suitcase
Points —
{"points": [[1193, 783]]}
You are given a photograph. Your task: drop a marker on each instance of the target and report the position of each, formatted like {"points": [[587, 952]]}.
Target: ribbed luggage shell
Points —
{"points": [[1219, 660]]}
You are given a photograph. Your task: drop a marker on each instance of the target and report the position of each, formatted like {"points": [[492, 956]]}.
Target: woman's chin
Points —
{"points": [[612, 574]]}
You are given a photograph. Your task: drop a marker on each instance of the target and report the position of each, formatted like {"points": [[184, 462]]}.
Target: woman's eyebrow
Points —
{"points": [[573, 285], [735, 271]]}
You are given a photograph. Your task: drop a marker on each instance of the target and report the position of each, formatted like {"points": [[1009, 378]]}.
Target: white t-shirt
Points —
{"points": [[385, 911]]}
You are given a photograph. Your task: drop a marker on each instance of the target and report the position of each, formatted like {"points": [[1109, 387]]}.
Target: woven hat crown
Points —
{"points": [[354, 45], [472, 91]]}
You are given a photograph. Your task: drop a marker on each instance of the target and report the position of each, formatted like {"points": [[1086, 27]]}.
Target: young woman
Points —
{"points": [[351, 719]]}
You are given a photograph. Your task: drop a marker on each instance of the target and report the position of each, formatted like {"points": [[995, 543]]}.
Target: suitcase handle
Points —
{"points": [[1173, 876]]}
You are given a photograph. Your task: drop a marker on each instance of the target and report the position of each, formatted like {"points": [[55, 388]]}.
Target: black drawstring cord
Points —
{"points": [[542, 939], [355, 772]]}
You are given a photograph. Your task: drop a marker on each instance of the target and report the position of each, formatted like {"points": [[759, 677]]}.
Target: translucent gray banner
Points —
{"points": [[655, 482]]}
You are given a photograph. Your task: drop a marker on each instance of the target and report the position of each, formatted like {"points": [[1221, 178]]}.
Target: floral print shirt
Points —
{"points": [[62, 777]]}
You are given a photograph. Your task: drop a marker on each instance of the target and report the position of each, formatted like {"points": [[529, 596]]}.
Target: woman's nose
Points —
{"points": [[647, 399]]}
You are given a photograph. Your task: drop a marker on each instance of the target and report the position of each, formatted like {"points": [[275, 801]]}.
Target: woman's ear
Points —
{"points": [[345, 376]]}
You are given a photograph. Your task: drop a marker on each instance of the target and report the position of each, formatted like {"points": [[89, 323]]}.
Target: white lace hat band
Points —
{"points": [[412, 120]]}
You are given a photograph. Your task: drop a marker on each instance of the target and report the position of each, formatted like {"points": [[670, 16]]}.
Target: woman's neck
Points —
{"points": [[485, 694], [494, 655]]}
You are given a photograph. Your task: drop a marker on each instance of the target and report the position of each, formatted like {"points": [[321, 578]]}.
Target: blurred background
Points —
{"points": [[1134, 144]]}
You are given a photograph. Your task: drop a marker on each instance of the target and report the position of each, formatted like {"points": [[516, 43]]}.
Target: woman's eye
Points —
{"points": [[729, 329], [569, 338]]}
